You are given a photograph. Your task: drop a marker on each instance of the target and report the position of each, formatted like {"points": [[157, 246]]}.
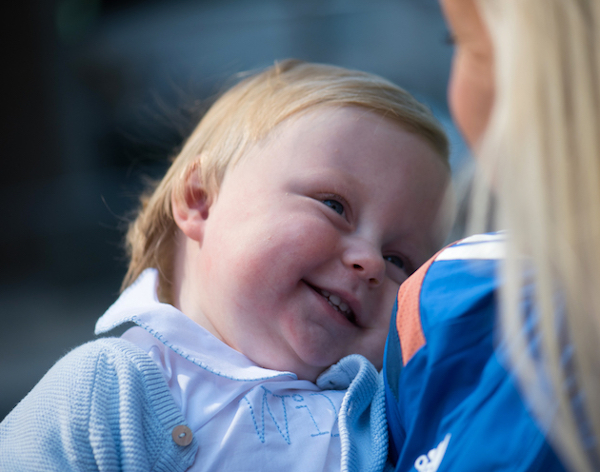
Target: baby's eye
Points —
{"points": [[334, 205], [397, 261]]}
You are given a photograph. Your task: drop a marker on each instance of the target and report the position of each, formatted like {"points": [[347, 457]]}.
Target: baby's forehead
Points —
{"points": [[323, 118], [329, 139]]}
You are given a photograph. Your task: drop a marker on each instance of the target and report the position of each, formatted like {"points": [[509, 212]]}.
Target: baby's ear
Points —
{"points": [[190, 207]]}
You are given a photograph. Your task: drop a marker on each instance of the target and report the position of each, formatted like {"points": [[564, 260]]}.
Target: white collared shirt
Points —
{"points": [[244, 417]]}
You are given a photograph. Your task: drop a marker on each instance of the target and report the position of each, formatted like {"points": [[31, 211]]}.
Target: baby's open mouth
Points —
{"points": [[337, 303]]}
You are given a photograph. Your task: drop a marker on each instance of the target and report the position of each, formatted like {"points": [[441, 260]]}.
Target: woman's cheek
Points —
{"points": [[471, 94]]}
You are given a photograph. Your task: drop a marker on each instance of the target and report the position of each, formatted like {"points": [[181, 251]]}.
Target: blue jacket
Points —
{"points": [[451, 403], [105, 406]]}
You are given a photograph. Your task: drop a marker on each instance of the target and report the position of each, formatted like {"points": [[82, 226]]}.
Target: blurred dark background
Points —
{"points": [[99, 93]]}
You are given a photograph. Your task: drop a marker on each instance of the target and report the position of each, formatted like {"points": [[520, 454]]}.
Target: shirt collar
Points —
{"points": [[139, 304]]}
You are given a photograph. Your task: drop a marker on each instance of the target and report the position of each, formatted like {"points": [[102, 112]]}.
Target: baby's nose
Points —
{"points": [[366, 259]]}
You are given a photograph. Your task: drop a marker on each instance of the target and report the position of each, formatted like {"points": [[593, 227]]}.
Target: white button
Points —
{"points": [[182, 435]]}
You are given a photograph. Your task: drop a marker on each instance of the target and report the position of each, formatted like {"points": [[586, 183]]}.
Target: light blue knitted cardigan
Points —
{"points": [[105, 406]]}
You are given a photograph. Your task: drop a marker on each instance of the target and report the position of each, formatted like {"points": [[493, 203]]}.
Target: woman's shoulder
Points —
{"points": [[455, 287]]}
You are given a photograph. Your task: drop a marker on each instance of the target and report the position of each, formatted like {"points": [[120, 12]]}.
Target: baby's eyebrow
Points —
{"points": [[333, 179]]}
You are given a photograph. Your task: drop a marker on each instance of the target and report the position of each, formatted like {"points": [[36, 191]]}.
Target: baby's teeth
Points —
{"points": [[336, 302]]}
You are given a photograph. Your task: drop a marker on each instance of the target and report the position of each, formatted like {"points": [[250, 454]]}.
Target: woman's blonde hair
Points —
{"points": [[542, 152], [241, 117]]}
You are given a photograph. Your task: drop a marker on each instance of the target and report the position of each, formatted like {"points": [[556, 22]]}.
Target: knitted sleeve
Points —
{"points": [[105, 406]]}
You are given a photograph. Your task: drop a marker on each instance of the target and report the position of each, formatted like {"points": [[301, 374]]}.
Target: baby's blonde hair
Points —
{"points": [[241, 117], [542, 152]]}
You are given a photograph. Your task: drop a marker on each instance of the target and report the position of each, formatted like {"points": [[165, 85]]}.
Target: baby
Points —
{"points": [[272, 249]]}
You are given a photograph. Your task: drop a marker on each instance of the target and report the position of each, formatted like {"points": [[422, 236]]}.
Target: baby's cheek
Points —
{"points": [[374, 345], [312, 236], [376, 348]]}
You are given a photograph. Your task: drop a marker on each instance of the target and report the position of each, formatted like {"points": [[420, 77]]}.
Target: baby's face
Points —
{"points": [[311, 235]]}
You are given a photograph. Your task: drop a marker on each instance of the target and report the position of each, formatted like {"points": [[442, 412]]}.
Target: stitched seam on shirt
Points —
{"points": [[193, 360]]}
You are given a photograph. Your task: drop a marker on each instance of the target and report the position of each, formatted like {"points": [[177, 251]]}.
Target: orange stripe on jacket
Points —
{"points": [[408, 316]]}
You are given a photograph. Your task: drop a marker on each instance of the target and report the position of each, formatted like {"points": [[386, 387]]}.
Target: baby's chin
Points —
{"points": [[302, 371], [281, 363], [311, 373], [305, 361]]}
